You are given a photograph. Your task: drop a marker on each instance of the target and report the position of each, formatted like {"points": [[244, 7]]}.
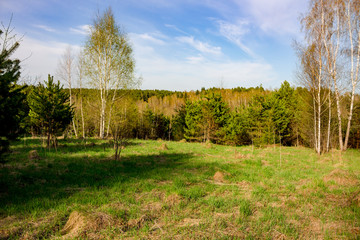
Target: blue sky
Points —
{"points": [[178, 44]]}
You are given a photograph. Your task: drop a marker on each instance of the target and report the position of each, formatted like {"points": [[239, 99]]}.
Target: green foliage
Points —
{"points": [[205, 118], [50, 109], [193, 121], [236, 130], [178, 130], [12, 107]]}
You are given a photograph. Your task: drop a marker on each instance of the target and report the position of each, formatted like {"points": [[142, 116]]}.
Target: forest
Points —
{"points": [[240, 116]]}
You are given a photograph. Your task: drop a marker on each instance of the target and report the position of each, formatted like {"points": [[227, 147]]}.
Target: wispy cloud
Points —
{"points": [[235, 34], [176, 28], [200, 46], [150, 38], [39, 58], [195, 59], [276, 16], [82, 29], [44, 27]]}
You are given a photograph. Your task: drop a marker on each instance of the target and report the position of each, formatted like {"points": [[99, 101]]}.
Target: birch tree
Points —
{"points": [[80, 68], [65, 72], [108, 59], [312, 58], [352, 18]]}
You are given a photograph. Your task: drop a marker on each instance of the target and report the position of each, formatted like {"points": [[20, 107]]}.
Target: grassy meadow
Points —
{"points": [[178, 191]]}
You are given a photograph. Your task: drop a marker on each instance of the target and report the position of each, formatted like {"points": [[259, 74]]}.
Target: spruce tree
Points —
{"points": [[11, 97], [50, 109]]}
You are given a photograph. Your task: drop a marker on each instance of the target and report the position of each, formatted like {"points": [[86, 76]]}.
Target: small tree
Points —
{"points": [[50, 109], [11, 97], [108, 61]]}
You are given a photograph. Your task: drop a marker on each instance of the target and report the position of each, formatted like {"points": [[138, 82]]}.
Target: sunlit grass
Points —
{"points": [[171, 193]]}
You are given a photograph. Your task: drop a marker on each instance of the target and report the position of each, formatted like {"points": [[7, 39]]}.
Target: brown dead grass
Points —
{"points": [[189, 222], [153, 207], [86, 225], [139, 222], [33, 155], [173, 200], [163, 147], [219, 177], [341, 177]]}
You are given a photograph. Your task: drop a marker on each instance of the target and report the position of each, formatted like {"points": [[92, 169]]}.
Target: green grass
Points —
{"points": [[166, 194]]}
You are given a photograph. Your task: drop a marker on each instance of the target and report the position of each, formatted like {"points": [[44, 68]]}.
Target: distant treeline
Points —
{"points": [[238, 116]]}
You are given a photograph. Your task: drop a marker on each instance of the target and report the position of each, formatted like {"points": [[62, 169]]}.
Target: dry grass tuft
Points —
{"points": [[80, 225], [219, 177], [189, 222], [139, 222], [163, 147], [341, 177], [33, 155], [173, 200]]}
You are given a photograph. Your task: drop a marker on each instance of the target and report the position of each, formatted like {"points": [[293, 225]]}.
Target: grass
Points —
{"points": [[79, 192]]}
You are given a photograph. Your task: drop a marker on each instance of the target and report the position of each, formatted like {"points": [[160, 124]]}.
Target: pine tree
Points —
{"points": [[11, 96], [50, 109]]}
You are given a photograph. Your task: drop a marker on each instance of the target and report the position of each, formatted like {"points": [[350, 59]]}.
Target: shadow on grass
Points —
{"points": [[66, 145], [58, 179]]}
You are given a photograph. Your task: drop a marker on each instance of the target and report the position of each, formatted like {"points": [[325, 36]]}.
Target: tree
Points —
{"points": [[352, 16], [11, 96], [333, 26], [215, 115], [109, 61], [123, 123], [50, 109], [65, 72]]}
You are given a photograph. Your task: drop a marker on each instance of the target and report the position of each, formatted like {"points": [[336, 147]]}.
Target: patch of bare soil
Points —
{"points": [[341, 177]]}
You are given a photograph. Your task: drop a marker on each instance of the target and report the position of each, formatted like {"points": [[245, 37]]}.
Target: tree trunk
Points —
{"points": [[82, 118], [337, 97], [329, 124]]}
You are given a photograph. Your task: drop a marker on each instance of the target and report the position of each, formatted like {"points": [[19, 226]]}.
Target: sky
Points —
{"points": [[178, 44]]}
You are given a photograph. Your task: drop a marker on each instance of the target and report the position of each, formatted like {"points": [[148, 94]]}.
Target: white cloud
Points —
{"points": [[200, 46], [148, 37], [195, 59], [193, 72], [235, 33], [276, 16], [161, 73], [40, 58], [44, 27], [82, 29]]}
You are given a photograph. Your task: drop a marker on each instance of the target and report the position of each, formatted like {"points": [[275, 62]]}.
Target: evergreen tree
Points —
{"points": [[285, 107], [50, 109], [236, 130], [215, 113], [11, 96], [179, 123], [193, 121]]}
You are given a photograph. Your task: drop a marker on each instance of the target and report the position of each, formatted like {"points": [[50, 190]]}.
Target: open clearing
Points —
{"points": [[187, 190]]}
